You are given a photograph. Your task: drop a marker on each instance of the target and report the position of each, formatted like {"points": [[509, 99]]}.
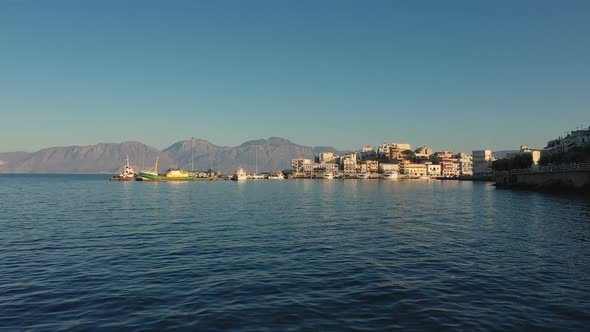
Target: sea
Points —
{"points": [[80, 253]]}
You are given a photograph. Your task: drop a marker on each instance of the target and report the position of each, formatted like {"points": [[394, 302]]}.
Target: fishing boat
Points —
{"points": [[177, 174], [239, 175], [150, 174], [172, 174]]}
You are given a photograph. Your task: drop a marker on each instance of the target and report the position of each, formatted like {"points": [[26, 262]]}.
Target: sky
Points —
{"points": [[452, 75]]}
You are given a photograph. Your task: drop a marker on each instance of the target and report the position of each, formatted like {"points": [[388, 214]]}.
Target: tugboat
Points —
{"points": [[128, 174]]}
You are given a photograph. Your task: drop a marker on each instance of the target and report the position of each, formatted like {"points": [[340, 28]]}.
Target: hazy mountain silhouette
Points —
{"points": [[273, 154], [99, 158]]}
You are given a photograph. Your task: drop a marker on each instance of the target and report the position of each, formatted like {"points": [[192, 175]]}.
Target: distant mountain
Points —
{"points": [[7, 158], [204, 153], [99, 158], [263, 155]]}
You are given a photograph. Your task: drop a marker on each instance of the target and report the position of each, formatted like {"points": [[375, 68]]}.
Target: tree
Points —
{"points": [[516, 162]]}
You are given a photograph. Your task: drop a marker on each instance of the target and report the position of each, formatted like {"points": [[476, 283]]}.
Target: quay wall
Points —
{"points": [[577, 180]]}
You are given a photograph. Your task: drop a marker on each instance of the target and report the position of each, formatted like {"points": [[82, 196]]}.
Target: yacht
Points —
{"points": [[328, 175]]}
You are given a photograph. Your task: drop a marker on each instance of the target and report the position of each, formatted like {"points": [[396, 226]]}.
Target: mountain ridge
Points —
{"points": [[272, 154]]}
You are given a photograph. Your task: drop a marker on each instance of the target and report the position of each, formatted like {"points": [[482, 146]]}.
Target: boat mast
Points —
{"points": [[192, 155]]}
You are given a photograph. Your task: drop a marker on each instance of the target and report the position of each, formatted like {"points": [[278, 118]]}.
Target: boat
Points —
{"points": [[128, 174], [328, 175], [277, 176], [239, 175], [390, 176], [177, 174], [363, 175], [150, 174], [172, 174]]}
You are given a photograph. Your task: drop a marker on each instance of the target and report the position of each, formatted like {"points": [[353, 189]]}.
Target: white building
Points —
{"points": [[393, 150], [573, 139], [465, 164], [413, 170], [433, 170], [325, 157], [299, 164], [388, 168], [349, 163], [482, 162]]}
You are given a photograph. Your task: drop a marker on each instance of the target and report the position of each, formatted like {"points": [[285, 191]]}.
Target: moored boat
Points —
{"points": [[390, 176], [172, 174], [363, 175], [150, 174], [127, 174], [277, 176], [240, 174]]}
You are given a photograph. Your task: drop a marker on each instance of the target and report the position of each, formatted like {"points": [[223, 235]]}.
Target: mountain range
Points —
{"points": [[273, 154]]}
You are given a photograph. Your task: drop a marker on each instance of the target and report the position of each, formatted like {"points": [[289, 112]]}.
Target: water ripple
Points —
{"points": [[80, 253]]}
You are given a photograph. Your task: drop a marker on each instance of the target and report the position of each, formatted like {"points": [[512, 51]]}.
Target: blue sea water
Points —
{"points": [[78, 252]]}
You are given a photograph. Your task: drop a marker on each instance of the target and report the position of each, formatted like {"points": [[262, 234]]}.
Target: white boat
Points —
{"points": [[128, 172], [240, 174], [390, 176], [328, 175], [278, 176], [363, 175]]}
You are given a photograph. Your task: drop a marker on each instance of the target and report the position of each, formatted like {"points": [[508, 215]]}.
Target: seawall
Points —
{"points": [[570, 178]]}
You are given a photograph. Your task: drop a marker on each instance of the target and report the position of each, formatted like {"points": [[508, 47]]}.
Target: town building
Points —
{"points": [[449, 169], [441, 156], [325, 157], [388, 167], [482, 162], [563, 144], [423, 153], [465, 164], [349, 163], [299, 164], [393, 151], [413, 170], [524, 150], [326, 168], [433, 170], [372, 166]]}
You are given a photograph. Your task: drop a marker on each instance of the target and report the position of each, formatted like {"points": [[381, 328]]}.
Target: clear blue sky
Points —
{"points": [[456, 75]]}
